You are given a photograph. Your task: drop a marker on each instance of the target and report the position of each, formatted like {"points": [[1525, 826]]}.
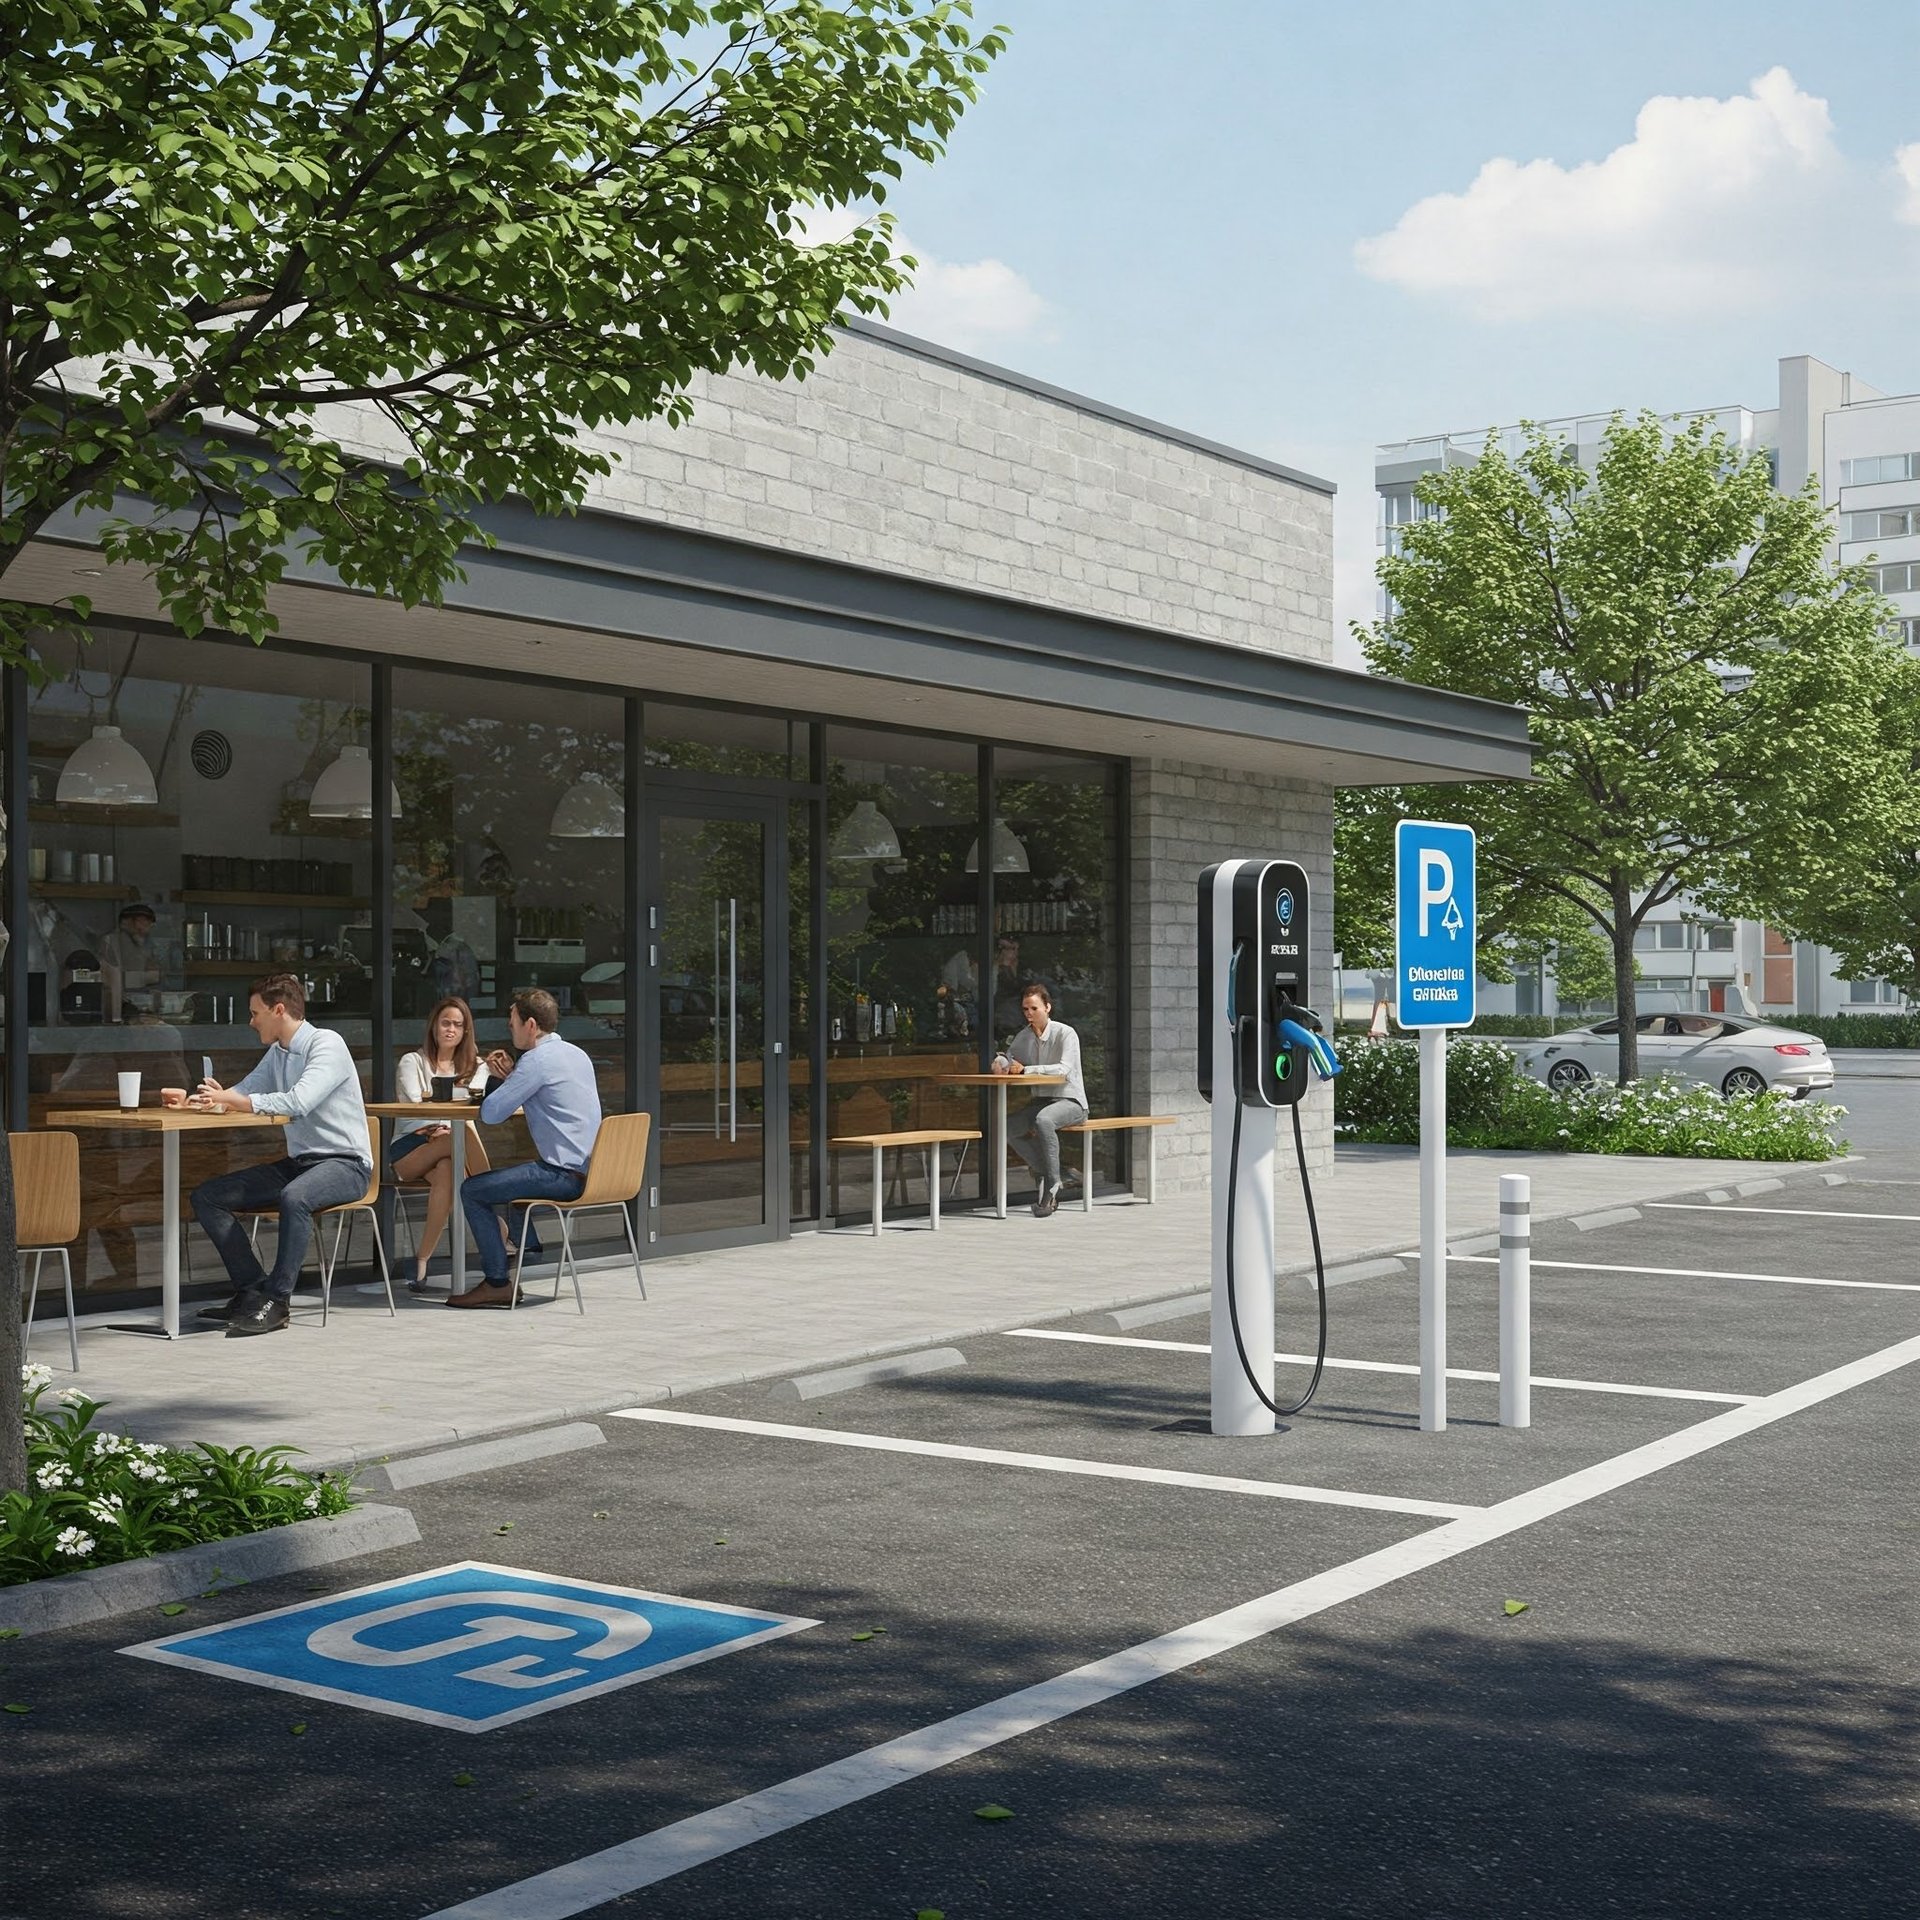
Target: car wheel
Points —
{"points": [[1743, 1080], [1564, 1075]]}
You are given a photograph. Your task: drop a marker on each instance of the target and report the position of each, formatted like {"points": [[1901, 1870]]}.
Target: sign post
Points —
{"points": [[1434, 965]]}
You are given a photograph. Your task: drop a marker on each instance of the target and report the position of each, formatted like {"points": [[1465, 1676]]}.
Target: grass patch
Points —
{"points": [[96, 1498]]}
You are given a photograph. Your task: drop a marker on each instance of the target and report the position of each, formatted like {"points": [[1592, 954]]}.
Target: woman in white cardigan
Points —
{"points": [[422, 1151]]}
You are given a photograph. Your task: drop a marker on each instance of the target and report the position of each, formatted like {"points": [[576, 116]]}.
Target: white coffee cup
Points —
{"points": [[129, 1090]]}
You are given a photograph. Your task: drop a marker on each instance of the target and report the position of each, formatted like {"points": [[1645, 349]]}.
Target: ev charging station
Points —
{"points": [[1258, 1042]]}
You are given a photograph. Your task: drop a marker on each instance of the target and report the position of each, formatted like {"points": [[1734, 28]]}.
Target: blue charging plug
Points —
{"points": [[1325, 1061]]}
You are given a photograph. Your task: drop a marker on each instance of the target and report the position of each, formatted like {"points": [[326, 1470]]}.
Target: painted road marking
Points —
{"points": [[1389, 1366], [1800, 1213], [470, 1646], [1054, 1463], [649, 1858], [1690, 1273]]}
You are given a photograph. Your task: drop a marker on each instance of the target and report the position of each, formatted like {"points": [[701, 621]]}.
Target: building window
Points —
{"points": [[183, 840], [1903, 576], [1906, 629], [1863, 993], [1879, 468], [1719, 939], [1896, 525]]}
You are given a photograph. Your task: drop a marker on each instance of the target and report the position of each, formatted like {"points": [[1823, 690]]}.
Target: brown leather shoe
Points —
{"points": [[486, 1294]]}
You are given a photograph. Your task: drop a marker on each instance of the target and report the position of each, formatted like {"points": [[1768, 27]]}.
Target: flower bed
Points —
{"points": [[1491, 1103], [97, 1498]]}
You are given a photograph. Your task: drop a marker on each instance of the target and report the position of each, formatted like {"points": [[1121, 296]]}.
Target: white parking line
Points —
{"points": [[1054, 1463], [1799, 1213], [646, 1860], [1691, 1273], [1388, 1366]]}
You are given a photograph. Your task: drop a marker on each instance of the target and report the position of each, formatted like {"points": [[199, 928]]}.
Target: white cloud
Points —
{"points": [[1692, 212], [1906, 164]]}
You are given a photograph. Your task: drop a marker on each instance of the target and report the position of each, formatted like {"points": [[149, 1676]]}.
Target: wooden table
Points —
{"points": [[459, 1115], [169, 1123], [1002, 1081]]}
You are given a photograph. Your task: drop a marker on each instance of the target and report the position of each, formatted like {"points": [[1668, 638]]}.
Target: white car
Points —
{"points": [[1729, 1055]]}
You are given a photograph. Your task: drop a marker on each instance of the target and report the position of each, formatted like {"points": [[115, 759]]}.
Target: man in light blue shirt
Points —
{"points": [[552, 1083], [307, 1074]]}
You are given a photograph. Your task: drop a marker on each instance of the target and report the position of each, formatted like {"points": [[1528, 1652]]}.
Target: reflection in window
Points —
{"points": [[180, 843], [709, 740]]}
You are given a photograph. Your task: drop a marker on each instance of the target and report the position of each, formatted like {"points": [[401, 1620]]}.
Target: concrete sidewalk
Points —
{"points": [[368, 1386]]}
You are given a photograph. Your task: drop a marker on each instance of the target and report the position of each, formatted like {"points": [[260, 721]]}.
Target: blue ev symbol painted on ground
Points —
{"points": [[471, 1646]]}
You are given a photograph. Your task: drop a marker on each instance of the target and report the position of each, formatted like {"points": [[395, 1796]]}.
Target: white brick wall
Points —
{"points": [[1184, 819]]}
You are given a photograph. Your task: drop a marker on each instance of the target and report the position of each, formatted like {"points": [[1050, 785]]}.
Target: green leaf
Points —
{"points": [[173, 1608], [1511, 1607], [993, 1810], [930, 1913], [14, 1706], [463, 1780], [506, 1526], [9, 1633], [600, 1513], [862, 1636], [299, 1726]]}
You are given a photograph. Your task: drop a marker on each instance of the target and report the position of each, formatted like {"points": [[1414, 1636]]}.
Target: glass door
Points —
{"points": [[716, 938]]}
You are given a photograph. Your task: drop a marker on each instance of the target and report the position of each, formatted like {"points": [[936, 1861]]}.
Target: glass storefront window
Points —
{"points": [[903, 944], [710, 740], [510, 866], [176, 853]]}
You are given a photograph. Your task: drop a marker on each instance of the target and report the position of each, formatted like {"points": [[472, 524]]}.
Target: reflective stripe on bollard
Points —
{"points": [[1516, 1306]]}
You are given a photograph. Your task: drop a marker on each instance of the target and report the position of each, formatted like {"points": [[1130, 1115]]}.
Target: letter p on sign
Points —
{"points": [[1436, 883]]}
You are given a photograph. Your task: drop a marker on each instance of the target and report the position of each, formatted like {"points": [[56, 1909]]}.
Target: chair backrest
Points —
{"points": [[619, 1162], [372, 1195], [46, 1188]]}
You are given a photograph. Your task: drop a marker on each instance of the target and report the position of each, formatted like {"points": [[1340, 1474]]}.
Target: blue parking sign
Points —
{"points": [[470, 1646], [1433, 924]]}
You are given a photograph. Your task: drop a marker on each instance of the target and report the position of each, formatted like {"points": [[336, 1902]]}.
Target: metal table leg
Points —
{"points": [[1000, 1151], [457, 1225]]}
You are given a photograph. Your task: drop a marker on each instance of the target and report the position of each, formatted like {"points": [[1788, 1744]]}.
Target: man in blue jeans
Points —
{"points": [[552, 1083], [308, 1074]]}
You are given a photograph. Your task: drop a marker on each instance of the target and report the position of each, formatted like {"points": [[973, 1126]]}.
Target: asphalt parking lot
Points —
{"points": [[1710, 1704]]}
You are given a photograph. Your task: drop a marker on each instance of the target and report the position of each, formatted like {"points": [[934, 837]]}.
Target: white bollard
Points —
{"points": [[1516, 1305]]}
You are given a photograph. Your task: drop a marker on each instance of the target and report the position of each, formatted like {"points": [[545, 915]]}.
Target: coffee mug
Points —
{"points": [[129, 1090], [443, 1088]]}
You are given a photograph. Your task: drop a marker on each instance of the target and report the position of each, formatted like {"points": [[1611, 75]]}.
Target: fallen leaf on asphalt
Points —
{"points": [[299, 1726], [600, 1513], [174, 1607], [1516, 1606], [14, 1706], [9, 1633], [722, 1541], [930, 1913], [506, 1526], [993, 1810], [862, 1636], [463, 1779]]}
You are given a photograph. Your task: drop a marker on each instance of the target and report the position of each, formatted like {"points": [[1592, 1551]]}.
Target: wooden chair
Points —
{"points": [[343, 1217], [46, 1201], [614, 1177]]}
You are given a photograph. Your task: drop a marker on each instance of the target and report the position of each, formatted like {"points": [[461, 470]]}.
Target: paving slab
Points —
{"points": [[367, 1387]]}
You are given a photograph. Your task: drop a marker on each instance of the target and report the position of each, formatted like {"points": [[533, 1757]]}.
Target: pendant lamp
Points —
{"points": [[865, 834], [593, 808], [345, 790], [1009, 851], [106, 771]]}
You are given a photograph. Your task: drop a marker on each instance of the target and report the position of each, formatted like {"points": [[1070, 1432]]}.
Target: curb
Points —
{"points": [[422, 1469], [816, 1386], [1612, 1217], [98, 1593], [1140, 1311]]}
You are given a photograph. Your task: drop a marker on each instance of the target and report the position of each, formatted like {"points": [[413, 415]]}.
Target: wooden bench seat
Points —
{"points": [[1116, 1123], [931, 1138]]}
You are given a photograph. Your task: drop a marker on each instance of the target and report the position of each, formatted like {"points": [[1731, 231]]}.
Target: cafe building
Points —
{"points": [[838, 715]]}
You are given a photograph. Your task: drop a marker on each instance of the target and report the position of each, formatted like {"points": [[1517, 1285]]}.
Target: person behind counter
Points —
{"points": [[422, 1150], [129, 962], [308, 1075], [552, 1083], [1044, 1045]]}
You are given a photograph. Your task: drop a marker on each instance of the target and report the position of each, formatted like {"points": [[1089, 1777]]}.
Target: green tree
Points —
{"points": [[484, 227], [1716, 710], [1870, 917]]}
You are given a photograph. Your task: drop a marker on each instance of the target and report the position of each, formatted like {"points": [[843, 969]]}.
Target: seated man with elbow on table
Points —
{"points": [[552, 1083], [1044, 1045], [308, 1074]]}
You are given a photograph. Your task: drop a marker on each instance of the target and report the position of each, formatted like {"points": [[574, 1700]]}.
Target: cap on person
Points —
{"points": [[138, 910]]}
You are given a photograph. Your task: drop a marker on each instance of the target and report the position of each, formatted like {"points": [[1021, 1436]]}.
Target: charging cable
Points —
{"points": [[1296, 1033]]}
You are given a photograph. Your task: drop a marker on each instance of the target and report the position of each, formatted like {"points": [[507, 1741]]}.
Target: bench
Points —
{"points": [[932, 1138], [1116, 1123]]}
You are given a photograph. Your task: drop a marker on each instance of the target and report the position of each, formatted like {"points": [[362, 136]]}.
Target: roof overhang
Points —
{"points": [[617, 602]]}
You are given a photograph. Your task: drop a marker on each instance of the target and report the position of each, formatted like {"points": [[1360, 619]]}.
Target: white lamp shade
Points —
{"points": [[1009, 851], [106, 771], [865, 834], [593, 808], [345, 790]]}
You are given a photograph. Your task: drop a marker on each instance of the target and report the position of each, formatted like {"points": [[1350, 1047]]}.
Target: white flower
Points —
{"points": [[144, 1469], [53, 1475], [71, 1396], [312, 1501], [33, 1374], [108, 1509], [73, 1543]]}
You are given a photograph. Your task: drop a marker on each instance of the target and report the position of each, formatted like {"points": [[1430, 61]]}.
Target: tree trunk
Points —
{"points": [[1625, 1002], [13, 1432]]}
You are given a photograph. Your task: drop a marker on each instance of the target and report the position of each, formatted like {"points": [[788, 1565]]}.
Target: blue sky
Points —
{"points": [[1288, 226]]}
